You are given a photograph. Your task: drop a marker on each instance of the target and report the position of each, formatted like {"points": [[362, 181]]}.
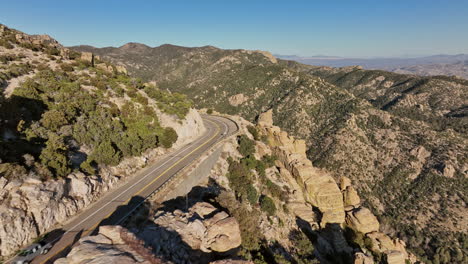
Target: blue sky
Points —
{"points": [[351, 28]]}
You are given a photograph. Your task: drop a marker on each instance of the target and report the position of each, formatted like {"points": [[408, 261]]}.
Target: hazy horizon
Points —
{"points": [[345, 29]]}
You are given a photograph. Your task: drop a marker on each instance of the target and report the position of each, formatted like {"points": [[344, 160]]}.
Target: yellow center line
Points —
{"points": [[142, 189]]}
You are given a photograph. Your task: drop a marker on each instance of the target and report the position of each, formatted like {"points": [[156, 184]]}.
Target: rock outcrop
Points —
{"points": [[362, 220], [88, 57], [319, 187], [188, 129], [113, 244], [202, 228], [237, 99], [338, 203]]}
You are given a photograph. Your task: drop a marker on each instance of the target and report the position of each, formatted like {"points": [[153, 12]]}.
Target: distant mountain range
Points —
{"points": [[425, 66]]}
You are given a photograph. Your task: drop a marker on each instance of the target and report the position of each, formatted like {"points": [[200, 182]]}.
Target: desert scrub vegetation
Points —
{"points": [[51, 126], [170, 103]]}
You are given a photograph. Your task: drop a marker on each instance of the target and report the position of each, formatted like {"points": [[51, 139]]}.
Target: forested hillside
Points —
{"points": [[63, 111], [401, 139]]}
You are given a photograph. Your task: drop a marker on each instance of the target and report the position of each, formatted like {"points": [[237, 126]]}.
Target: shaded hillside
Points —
{"points": [[410, 169]]}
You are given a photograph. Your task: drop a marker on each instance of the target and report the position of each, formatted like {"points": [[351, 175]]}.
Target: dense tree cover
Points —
{"points": [[52, 117]]}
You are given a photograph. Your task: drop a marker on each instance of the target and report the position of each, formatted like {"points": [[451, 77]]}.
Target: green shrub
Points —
{"points": [[54, 156], [276, 190], [168, 137], [267, 205], [105, 153], [88, 167], [252, 130], [248, 220], [66, 67], [252, 195], [209, 111], [141, 99], [53, 120], [52, 51], [250, 162], [269, 161], [246, 145], [6, 44]]}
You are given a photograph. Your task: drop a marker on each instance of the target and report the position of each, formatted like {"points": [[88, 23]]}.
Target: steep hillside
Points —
{"points": [[263, 202], [440, 101], [409, 162], [71, 126]]}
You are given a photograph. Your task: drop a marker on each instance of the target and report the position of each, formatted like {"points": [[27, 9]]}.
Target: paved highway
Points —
{"points": [[117, 203]]}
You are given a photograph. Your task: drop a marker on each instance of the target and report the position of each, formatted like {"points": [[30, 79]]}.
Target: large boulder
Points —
{"points": [[179, 235], [108, 247], [266, 118], [395, 257], [323, 193], [88, 57], [394, 248], [351, 197], [361, 258], [362, 220], [105, 67], [344, 183], [121, 69], [223, 235]]}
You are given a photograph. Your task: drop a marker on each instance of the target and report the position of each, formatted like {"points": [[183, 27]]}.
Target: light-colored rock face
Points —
{"points": [[219, 233], [121, 69], [395, 257], [351, 197], [362, 220], [187, 129], [320, 189], [237, 99], [103, 249], [344, 183], [394, 249], [232, 261], [361, 258], [223, 235], [104, 67], [88, 57], [266, 119]]}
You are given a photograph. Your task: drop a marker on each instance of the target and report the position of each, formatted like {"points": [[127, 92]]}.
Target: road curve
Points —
{"points": [[112, 207]]}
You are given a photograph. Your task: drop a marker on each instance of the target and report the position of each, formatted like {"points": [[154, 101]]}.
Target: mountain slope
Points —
{"points": [[71, 126], [411, 171]]}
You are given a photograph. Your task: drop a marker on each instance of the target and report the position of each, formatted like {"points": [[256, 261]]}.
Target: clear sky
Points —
{"points": [[351, 28]]}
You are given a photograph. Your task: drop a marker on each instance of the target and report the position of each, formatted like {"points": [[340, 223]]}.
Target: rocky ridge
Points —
{"points": [[338, 203], [399, 138], [29, 204]]}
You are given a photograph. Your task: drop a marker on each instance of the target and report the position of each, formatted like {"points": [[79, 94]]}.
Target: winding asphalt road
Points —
{"points": [[114, 206]]}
